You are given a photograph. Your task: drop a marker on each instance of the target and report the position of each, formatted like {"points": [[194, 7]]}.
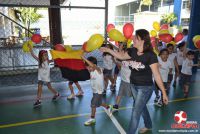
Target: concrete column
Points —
{"points": [[177, 11]]}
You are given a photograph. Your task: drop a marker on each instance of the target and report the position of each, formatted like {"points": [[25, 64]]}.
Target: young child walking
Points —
{"points": [[165, 67], [173, 59], [186, 72], [97, 85], [108, 62], [43, 75], [80, 91]]}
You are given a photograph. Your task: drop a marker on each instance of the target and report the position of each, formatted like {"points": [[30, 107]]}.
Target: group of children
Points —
{"points": [[171, 62], [177, 62]]}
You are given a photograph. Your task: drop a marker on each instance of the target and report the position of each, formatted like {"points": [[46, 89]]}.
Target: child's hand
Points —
{"points": [[30, 47], [104, 49]]}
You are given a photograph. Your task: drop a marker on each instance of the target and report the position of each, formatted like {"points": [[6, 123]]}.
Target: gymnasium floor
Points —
{"points": [[17, 115]]}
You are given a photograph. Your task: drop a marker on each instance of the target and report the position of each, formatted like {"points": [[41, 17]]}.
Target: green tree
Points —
{"points": [[27, 16], [145, 3], [168, 18]]}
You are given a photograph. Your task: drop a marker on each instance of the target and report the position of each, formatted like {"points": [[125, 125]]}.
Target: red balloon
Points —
{"points": [[128, 30], [153, 39], [178, 37], [197, 44], [59, 47], [36, 38], [109, 27], [166, 38], [164, 27]]}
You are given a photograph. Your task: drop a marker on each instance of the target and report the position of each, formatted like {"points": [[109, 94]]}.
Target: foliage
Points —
{"points": [[145, 3], [27, 16], [168, 18]]}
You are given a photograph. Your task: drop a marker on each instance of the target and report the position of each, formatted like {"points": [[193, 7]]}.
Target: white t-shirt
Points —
{"points": [[180, 56], [97, 81], [187, 67], [108, 62], [164, 69], [44, 72], [171, 58], [125, 71]]}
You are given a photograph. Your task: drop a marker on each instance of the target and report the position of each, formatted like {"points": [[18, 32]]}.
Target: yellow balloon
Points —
{"points": [[94, 42], [25, 47], [163, 32], [155, 51], [196, 38], [153, 33], [129, 43], [156, 25], [68, 48], [172, 42], [116, 35]]}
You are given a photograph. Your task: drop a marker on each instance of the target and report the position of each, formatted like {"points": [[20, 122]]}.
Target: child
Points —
{"points": [[108, 62], [181, 54], [43, 75], [80, 92], [125, 86], [165, 68], [186, 72], [173, 59], [97, 84]]}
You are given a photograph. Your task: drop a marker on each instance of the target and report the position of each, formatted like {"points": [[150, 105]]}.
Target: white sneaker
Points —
{"points": [[144, 130], [89, 122], [72, 96]]}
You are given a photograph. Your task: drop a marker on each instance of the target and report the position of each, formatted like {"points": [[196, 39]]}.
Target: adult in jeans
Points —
{"points": [[144, 64]]}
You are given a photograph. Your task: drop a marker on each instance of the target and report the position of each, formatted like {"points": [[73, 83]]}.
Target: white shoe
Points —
{"points": [[144, 130], [90, 122], [72, 96]]}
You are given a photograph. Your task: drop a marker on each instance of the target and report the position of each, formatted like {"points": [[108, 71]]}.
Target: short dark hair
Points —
{"points": [[163, 50], [92, 59], [181, 44], [170, 45], [144, 35], [190, 52]]}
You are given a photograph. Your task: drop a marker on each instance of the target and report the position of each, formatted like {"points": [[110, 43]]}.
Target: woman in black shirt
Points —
{"points": [[144, 64]]}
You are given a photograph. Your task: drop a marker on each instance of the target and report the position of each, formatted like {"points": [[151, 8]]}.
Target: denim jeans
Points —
{"points": [[141, 95]]}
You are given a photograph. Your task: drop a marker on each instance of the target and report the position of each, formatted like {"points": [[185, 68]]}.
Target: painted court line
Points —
{"points": [[79, 115], [115, 122]]}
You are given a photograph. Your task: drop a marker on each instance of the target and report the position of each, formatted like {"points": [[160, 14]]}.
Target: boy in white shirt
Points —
{"points": [[165, 67], [97, 85], [186, 72]]}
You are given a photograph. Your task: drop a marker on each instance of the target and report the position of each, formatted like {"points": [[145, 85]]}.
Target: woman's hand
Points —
{"points": [[165, 99]]}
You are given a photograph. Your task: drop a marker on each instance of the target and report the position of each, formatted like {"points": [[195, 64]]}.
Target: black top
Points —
{"points": [[141, 74]]}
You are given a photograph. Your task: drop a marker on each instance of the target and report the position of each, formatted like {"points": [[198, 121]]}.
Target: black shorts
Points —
{"points": [[96, 100], [170, 78], [185, 79], [116, 71], [107, 72]]}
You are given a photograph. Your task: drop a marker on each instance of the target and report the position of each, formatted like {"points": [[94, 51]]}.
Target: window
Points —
{"points": [[186, 4]]}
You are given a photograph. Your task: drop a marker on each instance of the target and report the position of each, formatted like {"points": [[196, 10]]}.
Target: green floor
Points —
{"points": [[17, 115]]}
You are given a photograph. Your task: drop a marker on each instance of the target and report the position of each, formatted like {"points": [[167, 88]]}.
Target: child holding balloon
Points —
{"points": [[43, 75]]}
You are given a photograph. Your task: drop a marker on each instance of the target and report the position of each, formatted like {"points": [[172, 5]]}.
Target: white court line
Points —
{"points": [[115, 122]]}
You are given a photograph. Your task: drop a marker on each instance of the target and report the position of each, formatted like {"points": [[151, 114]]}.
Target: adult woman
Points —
{"points": [[144, 63]]}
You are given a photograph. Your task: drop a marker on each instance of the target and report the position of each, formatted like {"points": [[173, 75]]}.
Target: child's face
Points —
{"points": [[45, 56], [190, 57], [90, 69], [164, 56], [181, 49], [170, 49]]}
